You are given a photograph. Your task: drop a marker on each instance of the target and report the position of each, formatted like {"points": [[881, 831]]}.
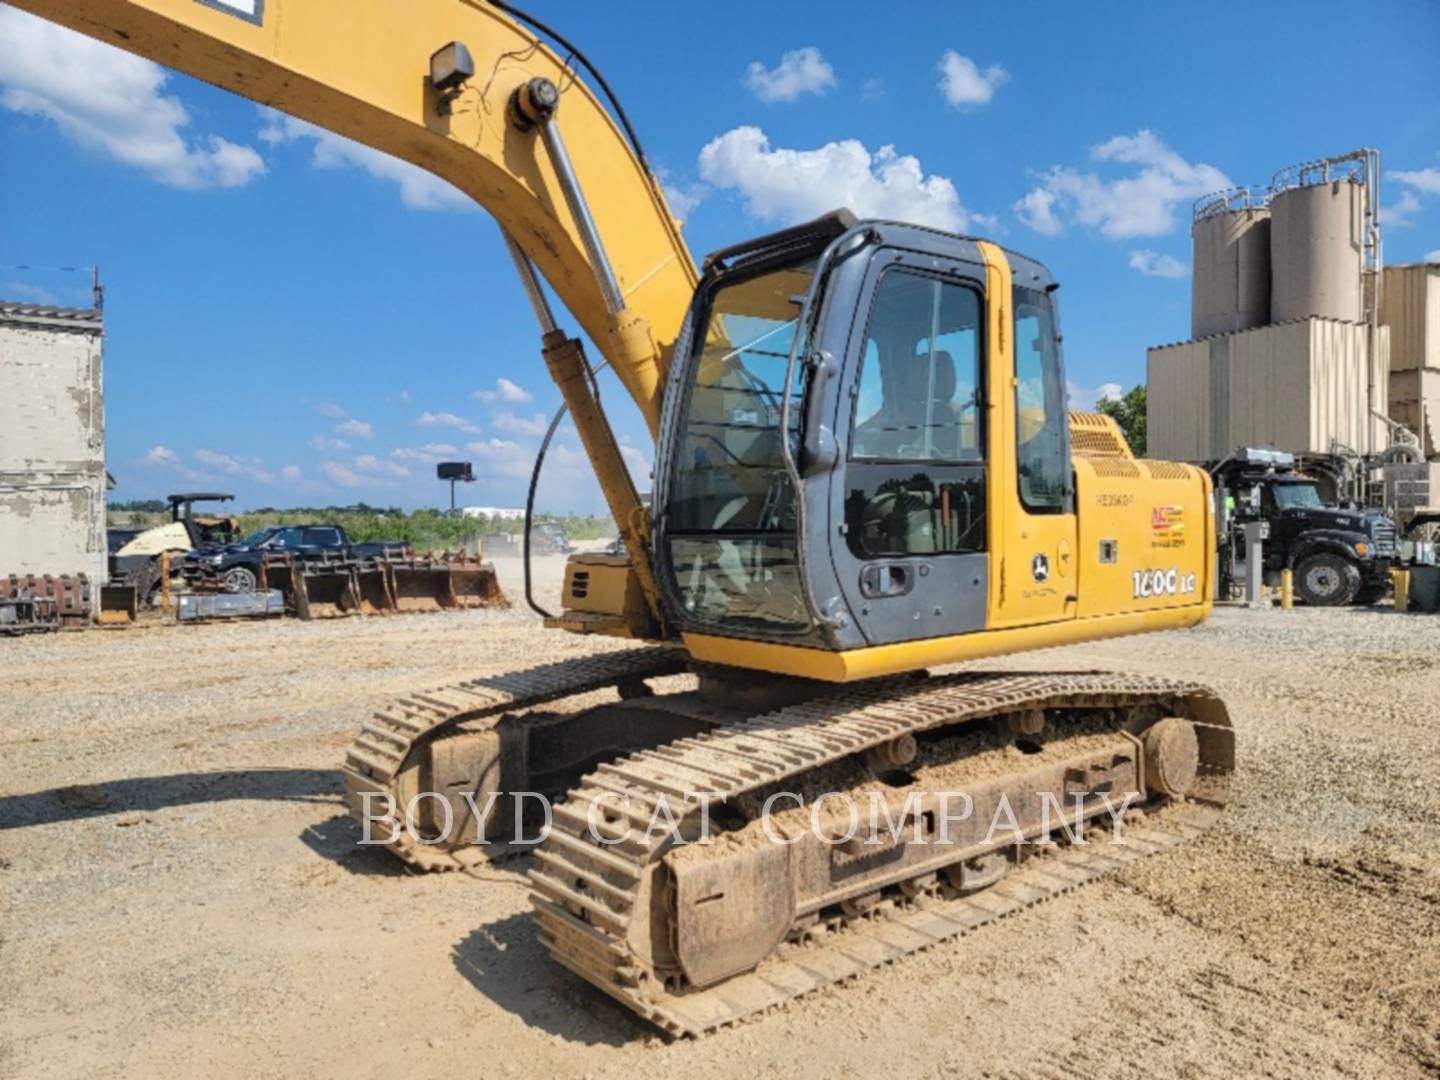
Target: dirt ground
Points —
{"points": [[182, 894]]}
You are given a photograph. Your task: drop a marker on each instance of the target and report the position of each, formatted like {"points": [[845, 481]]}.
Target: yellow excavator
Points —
{"points": [[864, 470]]}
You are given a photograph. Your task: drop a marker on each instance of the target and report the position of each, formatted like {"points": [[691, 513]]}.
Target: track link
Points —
{"points": [[376, 758], [587, 894]]}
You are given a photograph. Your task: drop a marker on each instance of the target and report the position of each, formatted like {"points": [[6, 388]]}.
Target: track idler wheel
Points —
{"points": [[1172, 756]]}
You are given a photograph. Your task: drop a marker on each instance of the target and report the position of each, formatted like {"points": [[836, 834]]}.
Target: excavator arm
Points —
{"points": [[523, 136]]}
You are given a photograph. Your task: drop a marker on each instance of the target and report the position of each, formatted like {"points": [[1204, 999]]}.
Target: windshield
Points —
{"points": [[259, 536], [731, 506], [1297, 496]]}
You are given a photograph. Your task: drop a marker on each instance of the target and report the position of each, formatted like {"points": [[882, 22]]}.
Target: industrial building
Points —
{"points": [[1287, 347], [1301, 340], [52, 442]]}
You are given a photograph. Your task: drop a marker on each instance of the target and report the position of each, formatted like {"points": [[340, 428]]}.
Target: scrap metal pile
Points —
{"points": [[30, 603], [335, 586]]}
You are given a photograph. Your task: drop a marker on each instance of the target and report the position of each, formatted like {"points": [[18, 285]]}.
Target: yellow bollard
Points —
{"points": [[1287, 589], [1402, 589]]}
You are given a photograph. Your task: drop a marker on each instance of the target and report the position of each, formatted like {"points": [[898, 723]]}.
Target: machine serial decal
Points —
{"points": [[1169, 582], [250, 10]]}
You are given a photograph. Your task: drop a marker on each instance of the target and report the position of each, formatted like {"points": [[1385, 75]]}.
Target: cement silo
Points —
{"points": [[1230, 282], [1317, 251]]}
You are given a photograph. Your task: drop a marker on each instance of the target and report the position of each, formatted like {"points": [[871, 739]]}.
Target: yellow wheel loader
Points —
{"points": [[864, 470]]}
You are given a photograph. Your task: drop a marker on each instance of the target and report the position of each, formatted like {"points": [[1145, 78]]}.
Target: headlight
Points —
{"points": [[214, 560], [1362, 548]]}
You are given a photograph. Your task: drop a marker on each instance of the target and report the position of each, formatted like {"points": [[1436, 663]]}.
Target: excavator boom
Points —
{"points": [[362, 69]]}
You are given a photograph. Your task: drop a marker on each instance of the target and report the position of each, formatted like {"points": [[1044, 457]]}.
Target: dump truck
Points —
{"points": [[864, 471]]}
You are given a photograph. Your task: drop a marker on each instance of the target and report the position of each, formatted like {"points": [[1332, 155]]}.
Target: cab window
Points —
{"points": [[1040, 419], [916, 479]]}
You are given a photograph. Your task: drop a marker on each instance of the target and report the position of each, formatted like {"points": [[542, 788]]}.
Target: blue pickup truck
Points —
{"points": [[237, 566]]}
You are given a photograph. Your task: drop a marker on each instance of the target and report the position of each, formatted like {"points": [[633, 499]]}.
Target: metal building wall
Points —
{"points": [[1410, 306], [1298, 386], [1180, 402], [52, 442]]}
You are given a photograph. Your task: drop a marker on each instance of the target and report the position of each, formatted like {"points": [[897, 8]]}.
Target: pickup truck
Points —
{"points": [[237, 566]]}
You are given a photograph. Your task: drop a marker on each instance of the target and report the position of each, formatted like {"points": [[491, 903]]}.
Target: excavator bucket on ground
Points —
{"points": [[474, 582], [422, 585], [326, 590], [373, 588], [119, 605]]}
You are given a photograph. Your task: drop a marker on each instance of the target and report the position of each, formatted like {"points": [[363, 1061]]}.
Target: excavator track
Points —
{"points": [[376, 758], [592, 898]]}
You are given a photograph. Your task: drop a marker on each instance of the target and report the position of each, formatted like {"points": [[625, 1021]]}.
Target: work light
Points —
{"points": [[451, 66]]}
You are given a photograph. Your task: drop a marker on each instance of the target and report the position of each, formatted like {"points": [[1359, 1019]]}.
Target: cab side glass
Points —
{"points": [[1040, 420], [916, 477]]}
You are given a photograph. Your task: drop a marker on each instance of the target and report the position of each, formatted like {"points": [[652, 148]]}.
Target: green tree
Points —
{"points": [[1130, 413]]}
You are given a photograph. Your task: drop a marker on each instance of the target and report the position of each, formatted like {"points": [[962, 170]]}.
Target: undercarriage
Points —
{"points": [[714, 849]]}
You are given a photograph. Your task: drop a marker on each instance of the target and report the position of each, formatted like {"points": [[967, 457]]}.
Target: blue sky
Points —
{"points": [[300, 322]]}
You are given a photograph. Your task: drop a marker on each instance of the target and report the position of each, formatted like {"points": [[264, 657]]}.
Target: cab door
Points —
{"points": [[1031, 490]]}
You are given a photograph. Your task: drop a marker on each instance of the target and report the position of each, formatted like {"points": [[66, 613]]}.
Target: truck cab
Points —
{"points": [[1338, 555]]}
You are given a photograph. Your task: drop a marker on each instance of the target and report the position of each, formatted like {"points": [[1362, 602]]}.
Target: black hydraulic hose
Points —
{"points": [[530, 508], [536, 24]]}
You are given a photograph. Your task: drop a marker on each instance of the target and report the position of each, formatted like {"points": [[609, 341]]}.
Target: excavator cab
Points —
{"points": [[866, 367]]}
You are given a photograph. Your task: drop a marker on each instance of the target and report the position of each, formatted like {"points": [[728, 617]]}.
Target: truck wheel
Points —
{"points": [[238, 579], [1326, 580]]}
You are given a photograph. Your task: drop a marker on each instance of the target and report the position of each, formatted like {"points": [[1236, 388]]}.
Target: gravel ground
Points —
{"points": [[182, 893]]}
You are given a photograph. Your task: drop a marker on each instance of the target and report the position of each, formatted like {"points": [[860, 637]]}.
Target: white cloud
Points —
{"points": [[428, 454], [112, 102], [419, 190], [1037, 210], [1425, 181], [327, 445], [1433, 256], [639, 466], [800, 71], [339, 474], [367, 470], [223, 462], [36, 294], [1085, 400], [357, 429], [447, 419], [790, 186], [162, 455], [873, 90], [505, 390], [963, 84], [519, 425], [291, 474], [330, 409], [503, 458], [233, 466], [1153, 264], [1400, 213], [371, 464], [1142, 204], [683, 198]]}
